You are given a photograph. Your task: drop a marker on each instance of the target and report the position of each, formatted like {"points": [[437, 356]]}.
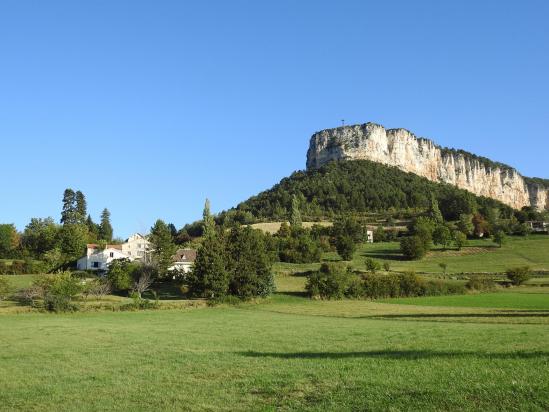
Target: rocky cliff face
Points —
{"points": [[400, 148]]}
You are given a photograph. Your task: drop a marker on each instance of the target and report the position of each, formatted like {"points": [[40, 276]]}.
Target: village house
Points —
{"points": [[136, 248], [183, 260]]}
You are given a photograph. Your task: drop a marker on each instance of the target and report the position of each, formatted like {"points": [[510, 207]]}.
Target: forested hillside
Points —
{"points": [[361, 186]]}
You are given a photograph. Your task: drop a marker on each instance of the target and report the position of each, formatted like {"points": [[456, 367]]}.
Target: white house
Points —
{"points": [[183, 260], [99, 259], [369, 236], [136, 247]]}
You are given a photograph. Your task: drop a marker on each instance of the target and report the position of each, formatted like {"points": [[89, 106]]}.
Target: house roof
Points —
{"points": [[96, 246], [185, 255]]}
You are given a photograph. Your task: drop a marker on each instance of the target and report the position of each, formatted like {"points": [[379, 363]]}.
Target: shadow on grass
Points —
{"points": [[514, 314], [293, 294], [386, 254], [395, 354]]}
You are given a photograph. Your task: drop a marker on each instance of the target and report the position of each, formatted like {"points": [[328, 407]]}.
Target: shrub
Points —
{"points": [[372, 265], [519, 275], [345, 247], [386, 266], [5, 288], [480, 283], [413, 247], [59, 291], [332, 281]]}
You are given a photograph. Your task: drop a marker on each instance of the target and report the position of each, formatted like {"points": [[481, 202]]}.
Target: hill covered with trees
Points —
{"points": [[359, 186]]}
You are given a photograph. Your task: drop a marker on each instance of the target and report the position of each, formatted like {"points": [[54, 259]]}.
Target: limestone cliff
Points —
{"points": [[400, 148]]}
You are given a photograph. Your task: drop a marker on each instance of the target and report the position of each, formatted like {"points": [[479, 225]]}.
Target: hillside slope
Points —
{"points": [[360, 186]]}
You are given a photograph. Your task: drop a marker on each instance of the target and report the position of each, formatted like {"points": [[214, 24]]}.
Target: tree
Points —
{"points": [[423, 228], [93, 229], [9, 240], [208, 221], [295, 216], [68, 214], [209, 277], [173, 230], [345, 247], [500, 238], [443, 266], [386, 266], [73, 239], [81, 208], [434, 211], [460, 239], [465, 224], [519, 275], [442, 236], [413, 247], [5, 288], [162, 246], [372, 265], [143, 279], [105, 227], [40, 236], [121, 274], [249, 264], [481, 226], [379, 234]]}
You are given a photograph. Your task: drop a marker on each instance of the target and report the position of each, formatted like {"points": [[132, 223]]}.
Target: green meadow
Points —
{"points": [[469, 352]]}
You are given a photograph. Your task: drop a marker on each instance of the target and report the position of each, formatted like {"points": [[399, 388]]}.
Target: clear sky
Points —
{"points": [[149, 107]]}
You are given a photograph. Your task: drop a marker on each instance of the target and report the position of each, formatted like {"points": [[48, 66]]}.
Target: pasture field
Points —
{"points": [[478, 256], [284, 353]]}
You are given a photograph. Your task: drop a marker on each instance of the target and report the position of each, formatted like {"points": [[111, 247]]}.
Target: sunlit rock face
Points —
{"points": [[400, 148]]}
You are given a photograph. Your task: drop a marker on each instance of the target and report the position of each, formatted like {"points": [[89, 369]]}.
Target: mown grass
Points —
{"points": [[511, 300], [251, 359]]}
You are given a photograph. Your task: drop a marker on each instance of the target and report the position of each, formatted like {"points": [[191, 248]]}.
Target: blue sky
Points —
{"points": [[149, 107]]}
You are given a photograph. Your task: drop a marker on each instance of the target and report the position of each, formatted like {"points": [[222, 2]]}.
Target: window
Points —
{"points": [[111, 254], [95, 264]]}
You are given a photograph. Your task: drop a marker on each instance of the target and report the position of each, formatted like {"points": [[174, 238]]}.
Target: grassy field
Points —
{"points": [[472, 352]]}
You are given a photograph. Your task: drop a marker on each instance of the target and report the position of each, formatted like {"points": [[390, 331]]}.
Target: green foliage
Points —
{"points": [[5, 289], [434, 212], [460, 239], [413, 247], [442, 236], [465, 224], [296, 245], [345, 247], [162, 246], [332, 281], [59, 291], [348, 225], [480, 283], [361, 186], [295, 216], [40, 236], [443, 266], [121, 274], [210, 277], [423, 227], [386, 266], [208, 222], [105, 227], [500, 238], [372, 265], [9, 240], [379, 234], [249, 264], [69, 213], [73, 239], [519, 275]]}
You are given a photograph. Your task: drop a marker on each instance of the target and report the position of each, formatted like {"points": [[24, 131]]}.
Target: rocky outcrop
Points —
{"points": [[402, 149]]}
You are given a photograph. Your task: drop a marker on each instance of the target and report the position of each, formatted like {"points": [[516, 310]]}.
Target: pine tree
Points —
{"points": [[207, 220], [105, 227], [81, 208], [295, 217], [434, 211], [210, 278], [68, 214], [162, 245]]}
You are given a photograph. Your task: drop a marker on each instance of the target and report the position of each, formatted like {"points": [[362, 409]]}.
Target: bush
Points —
{"points": [[332, 281], [372, 265], [59, 291], [480, 283], [5, 289], [413, 247], [519, 275], [345, 247]]}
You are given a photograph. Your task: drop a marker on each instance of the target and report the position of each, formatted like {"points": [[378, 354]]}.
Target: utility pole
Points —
{"points": [[343, 122]]}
